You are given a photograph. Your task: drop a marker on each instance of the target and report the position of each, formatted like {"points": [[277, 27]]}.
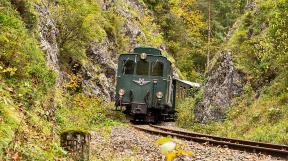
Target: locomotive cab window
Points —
{"points": [[142, 68], [128, 67], [157, 69]]}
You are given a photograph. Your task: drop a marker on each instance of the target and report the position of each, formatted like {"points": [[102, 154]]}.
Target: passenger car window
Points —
{"points": [[142, 67], [128, 67], [157, 69]]}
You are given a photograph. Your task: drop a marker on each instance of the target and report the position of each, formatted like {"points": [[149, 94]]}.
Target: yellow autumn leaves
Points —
{"points": [[75, 82], [170, 149], [9, 70]]}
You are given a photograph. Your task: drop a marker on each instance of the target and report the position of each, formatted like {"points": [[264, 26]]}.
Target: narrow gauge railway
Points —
{"points": [[243, 145]]}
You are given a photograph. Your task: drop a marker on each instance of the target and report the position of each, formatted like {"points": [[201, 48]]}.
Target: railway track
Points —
{"points": [[243, 145]]}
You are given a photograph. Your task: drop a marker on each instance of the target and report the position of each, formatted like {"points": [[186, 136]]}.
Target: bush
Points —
{"points": [[86, 113], [185, 113]]}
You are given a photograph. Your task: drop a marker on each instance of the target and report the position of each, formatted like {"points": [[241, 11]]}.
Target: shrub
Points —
{"points": [[185, 113]]}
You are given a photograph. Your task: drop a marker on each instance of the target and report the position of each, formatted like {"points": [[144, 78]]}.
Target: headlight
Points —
{"points": [[159, 95], [121, 92], [143, 56]]}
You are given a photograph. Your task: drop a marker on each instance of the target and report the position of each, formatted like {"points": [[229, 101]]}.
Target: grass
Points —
{"points": [[83, 113], [265, 120], [9, 120]]}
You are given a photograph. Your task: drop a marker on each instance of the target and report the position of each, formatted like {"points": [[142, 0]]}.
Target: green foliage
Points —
{"points": [[113, 29], [79, 23], [83, 113], [224, 13], [9, 121], [150, 39], [259, 48], [182, 27], [185, 32], [24, 132], [25, 10], [261, 42], [25, 60], [264, 119], [25, 79], [185, 113]]}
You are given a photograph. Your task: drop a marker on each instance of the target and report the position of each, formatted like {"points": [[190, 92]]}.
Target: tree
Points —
{"points": [[209, 33]]}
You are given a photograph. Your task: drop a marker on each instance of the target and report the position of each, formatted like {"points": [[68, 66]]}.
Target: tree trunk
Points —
{"points": [[209, 33]]}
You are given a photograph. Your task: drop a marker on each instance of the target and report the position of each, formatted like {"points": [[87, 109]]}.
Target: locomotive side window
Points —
{"points": [[142, 68], [128, 67], [157, 69]]}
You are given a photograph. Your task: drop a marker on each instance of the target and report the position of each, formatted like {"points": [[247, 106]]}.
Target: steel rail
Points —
{"points": [[236, 146], [238, 141]]}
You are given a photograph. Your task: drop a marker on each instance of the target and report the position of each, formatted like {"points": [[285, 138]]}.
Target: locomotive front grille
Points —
{"points": [[139, 108]]}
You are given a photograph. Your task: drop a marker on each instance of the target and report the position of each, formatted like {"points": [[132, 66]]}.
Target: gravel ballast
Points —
{"points": [[127, 143]]}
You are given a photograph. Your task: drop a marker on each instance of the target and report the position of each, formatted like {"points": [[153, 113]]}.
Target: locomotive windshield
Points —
{"points": [[157, 69], [142, 67], [128, 67]]}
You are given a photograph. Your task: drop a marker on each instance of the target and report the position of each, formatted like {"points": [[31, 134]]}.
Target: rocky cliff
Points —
{"points": [[97, 75], [224, 82]]}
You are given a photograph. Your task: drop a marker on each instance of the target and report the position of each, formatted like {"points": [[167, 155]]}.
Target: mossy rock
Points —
{"points": [[76, 143]]}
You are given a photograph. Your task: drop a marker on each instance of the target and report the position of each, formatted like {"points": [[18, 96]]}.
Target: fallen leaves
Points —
{"points": [[16, 157], [170, 149]]}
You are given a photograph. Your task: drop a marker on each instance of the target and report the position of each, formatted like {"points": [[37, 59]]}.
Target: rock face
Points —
{"points": [[97, 75], [131, 27], [224, 82], [98, 54], [48, 39], [250, 5], [48, 42], [100, 80]]}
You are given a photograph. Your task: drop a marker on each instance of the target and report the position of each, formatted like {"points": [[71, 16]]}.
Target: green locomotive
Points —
{"points": [[145, 85]]}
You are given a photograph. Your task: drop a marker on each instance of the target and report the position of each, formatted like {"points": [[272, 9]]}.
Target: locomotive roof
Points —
{"points": [[147, 50]]}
